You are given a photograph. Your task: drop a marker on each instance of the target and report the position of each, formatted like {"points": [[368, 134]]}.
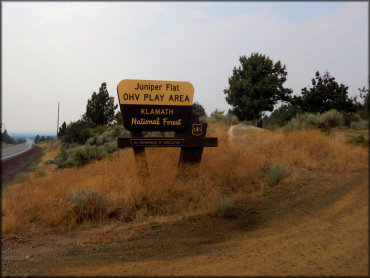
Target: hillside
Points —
{"points": [[307, 217]]}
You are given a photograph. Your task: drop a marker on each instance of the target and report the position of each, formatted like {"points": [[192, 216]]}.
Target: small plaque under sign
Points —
{"points": [[172, 142]]}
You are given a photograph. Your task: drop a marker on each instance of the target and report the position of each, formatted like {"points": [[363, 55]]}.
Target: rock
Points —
{"points": [[247, 135]]}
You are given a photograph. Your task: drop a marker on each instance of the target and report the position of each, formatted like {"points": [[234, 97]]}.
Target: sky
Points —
{"points": [[63, 51]]}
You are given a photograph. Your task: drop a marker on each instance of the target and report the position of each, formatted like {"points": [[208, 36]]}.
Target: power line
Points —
{"points": [[58, 120]]}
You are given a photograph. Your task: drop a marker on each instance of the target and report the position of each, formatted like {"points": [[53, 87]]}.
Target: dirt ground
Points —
{"points": [[20, 163], [317, 227]]}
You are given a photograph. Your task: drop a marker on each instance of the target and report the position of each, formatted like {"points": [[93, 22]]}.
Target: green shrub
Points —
{"points": [[91, 141], [109, 135], [41, 173], [20, 177], [275, 174], [225, 206], [218, 116], [80, 155], [99, 145], [331, 118], [50, 161], [328, 133], [33, 167], [301, 121], [64, 159], [87, 153], [361, 124], [101, 152], [364, 113], [77, 132], [350, 117], [68, 163], [100, 129], [326, 120], [281, 116], [100, 139], [119, 130], [359, 140], [111, 146], [87, 205]]}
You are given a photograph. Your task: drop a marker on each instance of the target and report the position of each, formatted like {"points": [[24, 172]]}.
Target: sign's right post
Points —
{"points": [[190, 157]]}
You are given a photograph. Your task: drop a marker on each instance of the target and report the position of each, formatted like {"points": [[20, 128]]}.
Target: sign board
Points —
{"points": [[149, 105]]}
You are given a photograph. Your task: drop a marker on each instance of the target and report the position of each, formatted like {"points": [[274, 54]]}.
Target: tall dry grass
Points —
{"points": [[229, 170]]}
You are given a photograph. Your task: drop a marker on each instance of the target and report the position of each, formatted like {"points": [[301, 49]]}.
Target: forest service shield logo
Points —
{"points": [[197, 129]]}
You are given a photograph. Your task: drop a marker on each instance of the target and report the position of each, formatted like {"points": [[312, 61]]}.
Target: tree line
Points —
{"points": [[6, 138], [100, 113], [39, 139], [257, 85]]}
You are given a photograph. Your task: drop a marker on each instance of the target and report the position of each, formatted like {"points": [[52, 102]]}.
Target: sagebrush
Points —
{"points": [[97, 146]]}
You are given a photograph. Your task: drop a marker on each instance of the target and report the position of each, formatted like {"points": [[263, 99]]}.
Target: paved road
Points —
{"points": [[11, 151]]}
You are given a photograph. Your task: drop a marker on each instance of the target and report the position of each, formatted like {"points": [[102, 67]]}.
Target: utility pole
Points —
{"points": [[58, 121]]}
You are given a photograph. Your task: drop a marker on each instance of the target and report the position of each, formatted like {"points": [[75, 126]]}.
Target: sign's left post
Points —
{"points": [[140, 158]]}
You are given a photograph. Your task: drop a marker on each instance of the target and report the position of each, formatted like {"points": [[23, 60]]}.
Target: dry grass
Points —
{"points": [[229, 170], [50, 150]]}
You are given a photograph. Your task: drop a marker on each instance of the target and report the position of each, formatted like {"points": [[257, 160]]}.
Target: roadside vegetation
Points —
{"points": [[101, 143], [109, 190], [85, 179]]}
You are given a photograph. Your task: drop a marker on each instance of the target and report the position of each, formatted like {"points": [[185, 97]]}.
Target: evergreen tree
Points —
{"points": [[282, 115], [197, 107], [37, 139], [100, 108], [118, 118], [62, 130], [364, 108], [256, 86], [324, 95], [6, 138]]}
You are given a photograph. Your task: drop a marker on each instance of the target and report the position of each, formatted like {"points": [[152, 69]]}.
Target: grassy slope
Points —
{"points": [[231, 170]]}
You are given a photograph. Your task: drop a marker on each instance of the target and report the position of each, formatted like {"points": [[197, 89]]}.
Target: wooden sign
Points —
{"points": [[149, 105]]}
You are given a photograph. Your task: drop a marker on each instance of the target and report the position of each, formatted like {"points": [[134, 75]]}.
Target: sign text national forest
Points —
{"points": [[148, 105]]}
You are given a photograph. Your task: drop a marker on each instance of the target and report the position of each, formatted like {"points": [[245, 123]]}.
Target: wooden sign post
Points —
{"points": [[148, 105]]}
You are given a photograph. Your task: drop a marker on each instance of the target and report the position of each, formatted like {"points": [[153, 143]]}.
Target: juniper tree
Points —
{"points": [[256, 86]]}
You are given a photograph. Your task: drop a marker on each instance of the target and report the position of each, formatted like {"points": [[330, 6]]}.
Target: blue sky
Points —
{"points": [[63, 51]]}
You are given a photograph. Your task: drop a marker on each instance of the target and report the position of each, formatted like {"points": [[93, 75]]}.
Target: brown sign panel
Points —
{"points": [[155, 117], [150, 105]]}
